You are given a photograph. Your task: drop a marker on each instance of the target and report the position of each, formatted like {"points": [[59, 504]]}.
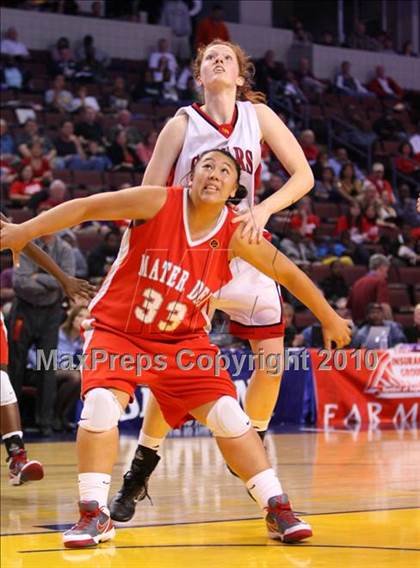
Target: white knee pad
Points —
{"points": [[8, 395], [227, 419], [101, 411]]}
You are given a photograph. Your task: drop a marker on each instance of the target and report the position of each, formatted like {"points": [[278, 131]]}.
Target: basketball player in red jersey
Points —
{"points": [[232, 117], [21, 469], [150, 309]]}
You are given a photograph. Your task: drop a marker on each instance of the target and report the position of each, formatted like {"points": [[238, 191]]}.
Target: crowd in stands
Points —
{"points": [[79, 121]]}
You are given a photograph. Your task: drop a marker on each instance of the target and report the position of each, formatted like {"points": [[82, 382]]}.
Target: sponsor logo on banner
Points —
{"points": [[397, 375]]}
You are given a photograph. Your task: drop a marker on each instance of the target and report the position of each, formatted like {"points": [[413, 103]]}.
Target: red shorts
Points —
{"points": [[4, 349], [182, 376]]}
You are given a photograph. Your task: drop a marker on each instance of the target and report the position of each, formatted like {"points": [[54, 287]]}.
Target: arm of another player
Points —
{"points": [[135, 203], [73, 287], [168, 147], [289, 153], [266, 258]]}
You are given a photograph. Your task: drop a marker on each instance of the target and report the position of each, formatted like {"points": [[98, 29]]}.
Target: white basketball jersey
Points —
{"points": [[241, 138]]}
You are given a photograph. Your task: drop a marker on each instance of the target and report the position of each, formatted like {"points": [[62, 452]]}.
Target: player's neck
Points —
{"points": [[201, 220], [220, 106]]}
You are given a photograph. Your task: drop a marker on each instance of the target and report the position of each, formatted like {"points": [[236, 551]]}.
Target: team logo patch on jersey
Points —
{"points": [[214, 243]]}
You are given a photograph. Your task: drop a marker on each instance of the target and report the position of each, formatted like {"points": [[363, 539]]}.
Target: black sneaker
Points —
{"points": [[134, 487]]}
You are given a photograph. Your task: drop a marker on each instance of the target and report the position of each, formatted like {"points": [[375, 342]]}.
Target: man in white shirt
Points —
{"points": [[348, 85], [415, 140], [11, 46], [155, 63]]}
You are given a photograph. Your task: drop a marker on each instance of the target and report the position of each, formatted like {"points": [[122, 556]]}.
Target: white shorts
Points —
{"points": [[253, 302]]}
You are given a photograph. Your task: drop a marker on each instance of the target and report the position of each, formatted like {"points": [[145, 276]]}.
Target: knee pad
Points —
{"points": [[101, 411], [227, 419], [8, 395]]}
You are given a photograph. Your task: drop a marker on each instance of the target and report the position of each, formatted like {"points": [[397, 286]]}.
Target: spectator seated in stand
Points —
{"points": [[326, 189], [415, 140], [307, 80], [90, 128], [341, 158], [300, 35], [123, 156], [407, 49], [335, 286], [357, 130], [301, 250], [58, 98], [320, 163], [32, 133], [102, 257], [290, 330], [212, 27], [24, 187], [360, 40], [346, 84], [385, 87], [41, 166], [119, 98], [389, 127], [407, 162], [309, 146], [124, 122], [162, 59], [268, 74], [11, 74], [377, 178], [8, 148], [378, 332], [83, 100], [349, 187], [145, 149], [91, 61], [303, 220], [10, 45], [62, 60], [371, 288], [413, 332]]}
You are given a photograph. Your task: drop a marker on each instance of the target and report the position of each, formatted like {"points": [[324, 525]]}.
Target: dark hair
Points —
{"points": [[401, 146], [346, 165], [241, 191]]}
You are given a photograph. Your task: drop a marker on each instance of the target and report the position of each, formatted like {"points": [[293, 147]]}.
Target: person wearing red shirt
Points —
{"points": [[40, 166], [378, 180], [212, 28], [371, 288], [385, 87], [303, 220], [24, 187], [351, 222], [310, 149], [407, 162]]}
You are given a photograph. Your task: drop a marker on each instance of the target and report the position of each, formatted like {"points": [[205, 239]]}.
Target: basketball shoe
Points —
{"points": [[22, 470], [134, 487], [282, 523], [93, 527]]}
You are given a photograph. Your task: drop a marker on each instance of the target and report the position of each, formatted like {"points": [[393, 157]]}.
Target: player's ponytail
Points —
{"points": [[240, 194], [246, 71]]}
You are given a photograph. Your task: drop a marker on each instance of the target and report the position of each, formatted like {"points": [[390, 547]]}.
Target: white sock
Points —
{"points": [[263, 486], [149, 442], [10, 434], [260, 425], [95, 487]]}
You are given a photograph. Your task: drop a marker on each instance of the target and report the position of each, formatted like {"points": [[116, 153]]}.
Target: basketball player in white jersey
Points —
{"points": [[233, 117]]}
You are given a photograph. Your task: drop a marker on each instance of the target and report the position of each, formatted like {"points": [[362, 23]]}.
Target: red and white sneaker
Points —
{"points": [[22, 470], [93, 527], [282, 523]]}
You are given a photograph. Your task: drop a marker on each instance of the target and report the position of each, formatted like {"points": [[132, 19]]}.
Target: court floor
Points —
{"points": [[359, 490]]}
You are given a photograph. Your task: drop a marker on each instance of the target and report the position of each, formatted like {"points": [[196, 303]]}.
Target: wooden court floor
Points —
{"points": [[359, 490]]}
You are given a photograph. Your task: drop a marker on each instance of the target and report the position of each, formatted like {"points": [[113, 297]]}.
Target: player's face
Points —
{"points": [[215, 179], [220, 68]]}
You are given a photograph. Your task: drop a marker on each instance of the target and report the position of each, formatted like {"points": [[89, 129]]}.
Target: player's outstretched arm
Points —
{"points": [[134, 203], [266, 258], [290, 154]]}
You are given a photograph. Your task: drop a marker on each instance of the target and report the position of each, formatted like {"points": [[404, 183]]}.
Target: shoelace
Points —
{"points": [[131, 482], [19, 456], [85, 518], [287, 514]]}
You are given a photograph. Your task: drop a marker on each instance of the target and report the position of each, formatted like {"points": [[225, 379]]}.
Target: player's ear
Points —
{"points": [[240, 81]]}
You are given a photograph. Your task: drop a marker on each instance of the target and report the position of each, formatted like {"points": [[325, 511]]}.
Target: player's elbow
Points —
{"points": [[308, 180]]}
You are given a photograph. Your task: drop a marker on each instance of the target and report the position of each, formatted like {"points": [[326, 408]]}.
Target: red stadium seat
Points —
{"points": [[409, 275], [319, 272], [91, 179], [326, 211], [64, 175], [19, 215], [114, 180], [88, 241], [399, 297], [353, 273], [406, 320], [304, 319]]}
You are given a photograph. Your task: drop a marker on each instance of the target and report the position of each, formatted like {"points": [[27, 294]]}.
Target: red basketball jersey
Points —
{"points": [[157, 283]]}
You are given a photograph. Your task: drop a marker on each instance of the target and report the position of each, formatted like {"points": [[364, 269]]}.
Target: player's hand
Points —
{"points": [[337, 330], [13, 237], [253, 222], [77, 289]]}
